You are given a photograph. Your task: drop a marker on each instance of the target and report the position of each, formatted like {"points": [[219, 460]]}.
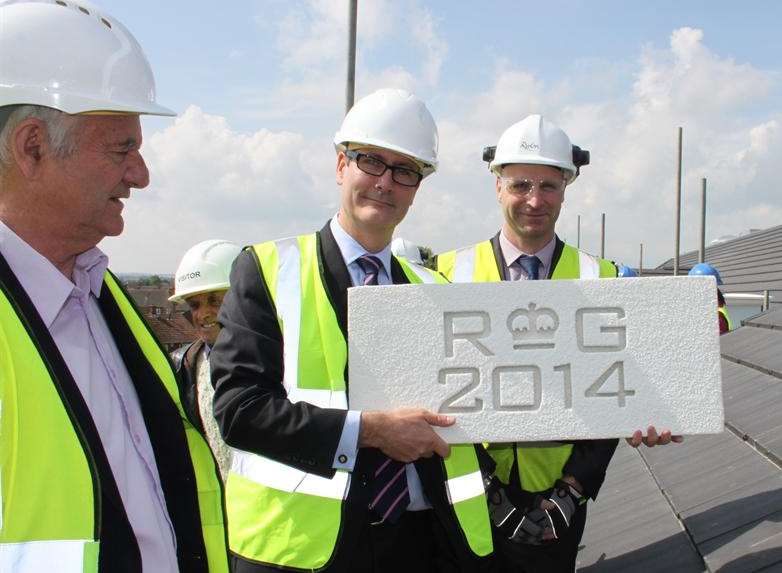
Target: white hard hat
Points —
{"points": [[204, 268], [392, 119], [71, 56], [403, 248], [535, 141]]}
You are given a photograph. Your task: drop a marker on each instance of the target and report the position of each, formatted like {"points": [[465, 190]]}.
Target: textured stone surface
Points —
{"points": [[450, 348]]}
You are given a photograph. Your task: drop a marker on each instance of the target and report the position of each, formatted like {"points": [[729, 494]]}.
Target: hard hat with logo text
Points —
{"points": [[535, 141], [72, 56], [204, 268], [392, 119], [705, 270]]}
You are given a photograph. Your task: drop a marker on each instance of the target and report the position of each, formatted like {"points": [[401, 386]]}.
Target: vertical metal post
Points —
{"points": [[702, 250], [678, 205], [603, 236], [350, 87], [578, 233], [641, 261], [766, 301]]}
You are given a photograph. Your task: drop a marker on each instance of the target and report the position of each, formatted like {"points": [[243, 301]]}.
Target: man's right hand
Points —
{"points": [[405, 434]]}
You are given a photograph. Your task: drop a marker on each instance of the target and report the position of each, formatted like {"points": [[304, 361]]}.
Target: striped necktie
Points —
{"points": [[371, 266], [389, 494]]}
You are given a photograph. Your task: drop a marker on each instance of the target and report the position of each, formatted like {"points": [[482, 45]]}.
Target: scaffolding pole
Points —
{"points": [[350, 84]]}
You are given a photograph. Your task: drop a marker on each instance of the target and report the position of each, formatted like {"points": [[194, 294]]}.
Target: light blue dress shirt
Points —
{"points": [[348, 444]]}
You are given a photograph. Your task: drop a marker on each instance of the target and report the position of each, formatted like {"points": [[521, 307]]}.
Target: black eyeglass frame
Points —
{"points": [[356, 156]]}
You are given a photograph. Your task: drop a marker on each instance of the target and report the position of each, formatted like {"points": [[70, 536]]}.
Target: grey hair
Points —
{"points": [[60, 129]]}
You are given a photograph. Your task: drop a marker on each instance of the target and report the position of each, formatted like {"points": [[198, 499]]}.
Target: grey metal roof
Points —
{"points": [[751, 263], [713, 503]]}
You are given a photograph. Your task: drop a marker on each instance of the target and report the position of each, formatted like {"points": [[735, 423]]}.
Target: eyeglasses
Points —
{"points": [[374, 166], [523, 187]]}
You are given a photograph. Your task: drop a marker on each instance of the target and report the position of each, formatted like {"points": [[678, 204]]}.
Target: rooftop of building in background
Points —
{"points": [[168, 320], [713, 503], [749, 263]]}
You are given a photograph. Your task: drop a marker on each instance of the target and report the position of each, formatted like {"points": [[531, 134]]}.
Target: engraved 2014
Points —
{"points": [[531, 328]]}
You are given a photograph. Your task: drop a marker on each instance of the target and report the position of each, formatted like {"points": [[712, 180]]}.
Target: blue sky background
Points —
{"points": [[260, 91]]}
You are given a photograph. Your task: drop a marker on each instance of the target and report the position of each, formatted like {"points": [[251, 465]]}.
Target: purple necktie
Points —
{"points": [[388, 490], [371, 267]]}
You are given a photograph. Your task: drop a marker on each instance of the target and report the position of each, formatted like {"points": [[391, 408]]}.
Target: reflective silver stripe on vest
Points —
{"points": [[320, 398], [464, 487], [262, 470], [288, 301], [422, 273], [36, 556], [464, 265], [286, 478], [589, 266]]}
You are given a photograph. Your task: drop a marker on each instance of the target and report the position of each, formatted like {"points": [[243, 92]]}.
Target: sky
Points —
{"points": [[259, 87]]}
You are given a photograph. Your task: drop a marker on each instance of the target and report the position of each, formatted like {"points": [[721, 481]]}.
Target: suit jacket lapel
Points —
{"points": [[498, 258], [398, 276], [336, 277], [558, 246]]}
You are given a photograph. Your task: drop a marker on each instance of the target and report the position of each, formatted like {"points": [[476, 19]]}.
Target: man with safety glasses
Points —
{"points": [[548, 483], [313, 485]]}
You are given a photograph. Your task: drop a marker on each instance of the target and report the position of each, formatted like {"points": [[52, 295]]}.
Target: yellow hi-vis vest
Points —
{"points": [[540, 463], [284, 516], [49, 482]]}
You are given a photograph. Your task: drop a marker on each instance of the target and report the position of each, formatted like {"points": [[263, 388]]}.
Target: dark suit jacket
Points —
{"points": [[590, 458], [254, 414]]}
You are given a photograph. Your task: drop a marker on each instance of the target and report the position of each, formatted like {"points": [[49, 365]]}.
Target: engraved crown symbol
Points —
{"points": [[533, 323]]}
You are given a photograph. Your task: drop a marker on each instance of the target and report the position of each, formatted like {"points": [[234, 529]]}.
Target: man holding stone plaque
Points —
{"points": [[313, 485], [534, 161]]}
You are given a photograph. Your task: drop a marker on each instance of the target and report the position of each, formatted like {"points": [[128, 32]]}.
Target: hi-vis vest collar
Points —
{"points": [[60, 506], [278, 514], [483, 263]]}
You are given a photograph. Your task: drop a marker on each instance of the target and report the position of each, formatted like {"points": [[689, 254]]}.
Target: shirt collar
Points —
{"points": [[510, 252], [46, 286], [351, 249]]}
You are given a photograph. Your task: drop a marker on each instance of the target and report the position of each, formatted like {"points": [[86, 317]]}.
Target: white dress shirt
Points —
{"points": [[348, 445], [71, 313]]}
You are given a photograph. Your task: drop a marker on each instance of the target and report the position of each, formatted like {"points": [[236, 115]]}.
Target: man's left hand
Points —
{"points": [[652, 438]]}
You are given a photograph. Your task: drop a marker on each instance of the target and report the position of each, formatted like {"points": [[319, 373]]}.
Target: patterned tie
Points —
{"points": [[390, 495], [531, 265], [371, 267]]}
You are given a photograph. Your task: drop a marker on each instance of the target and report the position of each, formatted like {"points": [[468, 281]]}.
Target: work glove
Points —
{"points": [[553, 511], [513, 523]]}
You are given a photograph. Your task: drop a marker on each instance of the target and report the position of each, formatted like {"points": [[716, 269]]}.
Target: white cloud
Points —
{"points": [[315, 36], [632, 137], [211, 181], [434, 46], [312, 43]]}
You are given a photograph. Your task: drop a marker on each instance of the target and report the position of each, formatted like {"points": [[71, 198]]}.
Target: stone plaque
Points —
{"points": [[541, 360]]}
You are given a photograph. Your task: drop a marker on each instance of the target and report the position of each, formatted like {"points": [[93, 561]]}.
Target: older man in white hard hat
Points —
{"points": [[313, 485], [534, 161], [100, 471], [201, 282]]}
